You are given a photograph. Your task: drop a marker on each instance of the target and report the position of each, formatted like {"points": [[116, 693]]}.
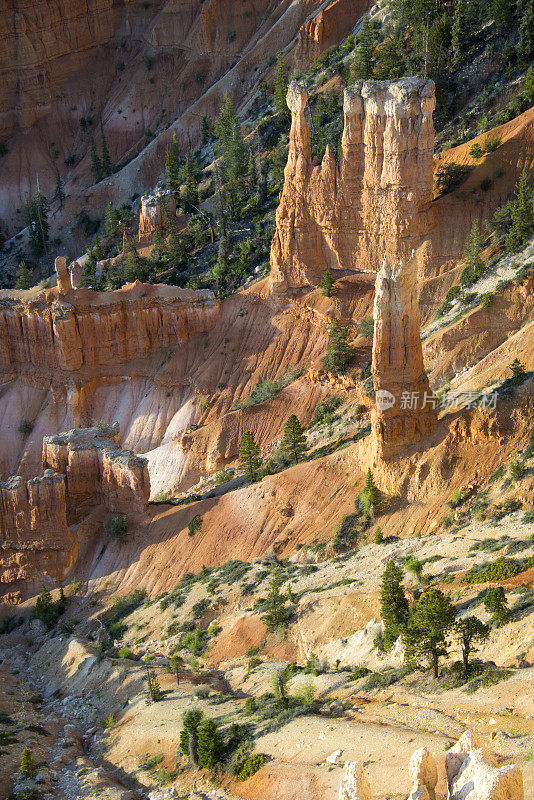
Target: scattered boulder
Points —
{"points": [[424, 774], [354, 784]]}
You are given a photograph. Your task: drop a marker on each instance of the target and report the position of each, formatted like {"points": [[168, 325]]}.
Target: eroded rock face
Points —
{"points": [[473, 775], [405, 407], [151, 218], [40, 530], [354, 784], [374, 202], [69, 330]]}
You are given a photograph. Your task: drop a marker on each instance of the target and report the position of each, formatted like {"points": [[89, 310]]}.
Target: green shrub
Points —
{"points": [[517, 470], [488, 678], [266, 390], [324, 412], [25, 427], [252, 765], [381, 680], [194, 524], [346, 533], [501, 569], [451, 175], [476, 150], [492, 143], [117, 527], [366, 327], [125, 652]]}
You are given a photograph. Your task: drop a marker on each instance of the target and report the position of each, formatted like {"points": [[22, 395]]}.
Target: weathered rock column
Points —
{"points": [[405, 407], [63, 277]]}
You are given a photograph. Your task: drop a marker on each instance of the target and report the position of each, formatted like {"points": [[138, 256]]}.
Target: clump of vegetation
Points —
{"points": [[48, 611], [25, 427], [117, 527], [249, 457], [496, 604], [488, 678], [266, 390], [327, 284], [499, 570], [252, 765], [425, 635], [325, 411], [277, 612], [339, 351], [366, 327], [194, 525]]}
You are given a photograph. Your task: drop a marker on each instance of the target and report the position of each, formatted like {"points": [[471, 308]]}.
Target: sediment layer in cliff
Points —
{"points": [[73, 330], [374, 202]]}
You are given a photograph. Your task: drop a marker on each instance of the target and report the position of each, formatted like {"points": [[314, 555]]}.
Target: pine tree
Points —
{"points": [[172, 168], [59, 193], [522, 214], [474, 266], [27, 767], [205, 131], [106, 158], [431, 618], [459, 33], [96, 166], [35, 213], [189, 734], [276, 614], [469, 631], [210, 744], [153, 689], [191, 182], [281, 82], [224, 126], [393, 603], [339, 352], [97, 249], [262, 180], [363, 65], [525, 44], [293, 443], [249, 457], [111, 221], [222, 267], [176, 663], [501, 11], [252, 172], [327, 284], [496, 604], [24, 277]]}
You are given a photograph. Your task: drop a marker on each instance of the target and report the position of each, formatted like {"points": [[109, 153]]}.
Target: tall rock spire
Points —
{"points": [[405, 407]]}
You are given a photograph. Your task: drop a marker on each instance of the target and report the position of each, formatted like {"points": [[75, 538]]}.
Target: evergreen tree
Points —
{"points": [[393, 603], [502, 13], [469, 631], [519, 372], [460, 34], [339, 352], [172, 168], [522, 214], [431, 618], [222, 267], [191, 182], [35, 213], [262, 180], [111, 221], [153, 689], [474, 266], [276, 614], [281, 82], [96, 166], [363, 65], [209, 744], [106, 158], [24, 277], [176, 663], [45, 609], [97, 249], [224, 126], [27, 767], [249, 457], [59, 193], [327, 284], [205, 131], [525, 44], [189, 735], [252, 172], [293, 443], [496, 604]]}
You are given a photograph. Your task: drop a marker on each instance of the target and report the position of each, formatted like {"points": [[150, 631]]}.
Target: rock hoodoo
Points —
{"points": [[405, 407], [375, 201], [471, 775], [42, 520], [151, 218], [64, 285]]}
